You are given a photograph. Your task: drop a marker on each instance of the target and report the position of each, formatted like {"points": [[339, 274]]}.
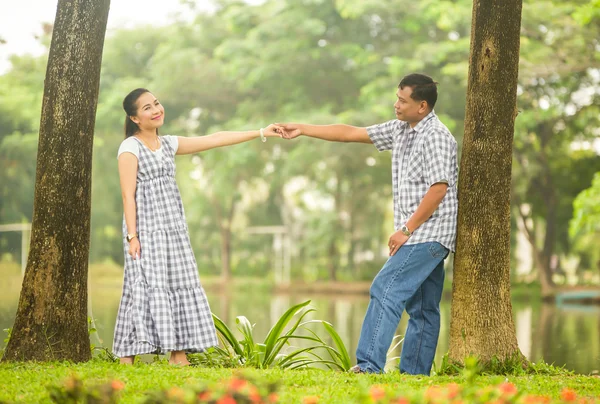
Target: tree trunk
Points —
{"points": [[548, 284], [332, 263], [542, 264], [352, 267], [481, 320], [333, 252], [224, 220], [225, 254], [51, 322]]}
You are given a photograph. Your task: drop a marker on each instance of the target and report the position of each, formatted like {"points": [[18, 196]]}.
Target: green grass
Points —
{"points": [[27, 382]]}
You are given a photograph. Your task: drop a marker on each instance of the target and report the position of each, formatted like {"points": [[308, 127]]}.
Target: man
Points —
{"points": [[424, 175]]}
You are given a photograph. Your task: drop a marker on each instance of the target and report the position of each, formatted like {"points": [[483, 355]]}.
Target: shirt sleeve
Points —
{"points": [[173, 141], [129, 145], [440, 159], [382, 135]]}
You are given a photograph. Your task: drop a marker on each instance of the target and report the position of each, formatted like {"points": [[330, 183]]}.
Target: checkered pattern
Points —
{"points": [[163, 307], [421, 156]]}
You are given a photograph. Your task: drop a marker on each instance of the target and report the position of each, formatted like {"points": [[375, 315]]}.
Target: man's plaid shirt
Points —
{"points": [[421, 156]]}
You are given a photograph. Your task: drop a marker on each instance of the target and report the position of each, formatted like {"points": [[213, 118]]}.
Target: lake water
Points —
{"points": [[567, 335]]}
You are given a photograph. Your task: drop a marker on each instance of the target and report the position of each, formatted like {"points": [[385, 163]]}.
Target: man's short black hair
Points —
{"points": [[423, 88]]}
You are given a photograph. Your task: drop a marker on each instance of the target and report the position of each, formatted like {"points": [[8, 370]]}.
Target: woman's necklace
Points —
{"points": [[156, 141]]}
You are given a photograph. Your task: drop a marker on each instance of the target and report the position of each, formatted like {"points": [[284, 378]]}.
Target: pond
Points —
{"points": [[563, 335]]}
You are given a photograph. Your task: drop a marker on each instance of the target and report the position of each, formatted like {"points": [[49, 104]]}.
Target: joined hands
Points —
{"points": [[283, 130]]}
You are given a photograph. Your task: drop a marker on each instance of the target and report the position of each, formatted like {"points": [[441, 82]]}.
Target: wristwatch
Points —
{"points": [[405, 231], [130, 237]]}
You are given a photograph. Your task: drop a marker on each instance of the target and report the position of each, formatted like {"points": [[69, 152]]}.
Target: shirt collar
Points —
{"points": [[421, 125]]}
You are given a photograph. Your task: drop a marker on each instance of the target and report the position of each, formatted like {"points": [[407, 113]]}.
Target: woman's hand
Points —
{"points": [[273, 130], [135, 249]]}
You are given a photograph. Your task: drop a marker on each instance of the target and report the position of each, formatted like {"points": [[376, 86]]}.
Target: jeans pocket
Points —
{"points": [[437, 250]]}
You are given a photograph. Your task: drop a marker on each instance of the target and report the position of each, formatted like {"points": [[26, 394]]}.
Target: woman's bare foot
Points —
{"points": [[127, 360], [178, 358]]}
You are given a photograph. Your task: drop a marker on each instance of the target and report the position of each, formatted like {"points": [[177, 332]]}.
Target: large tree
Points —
{"points": [[51, 322], [481, 322]]}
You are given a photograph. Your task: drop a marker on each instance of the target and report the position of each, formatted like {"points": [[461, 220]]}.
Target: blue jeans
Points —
{"points": [[412, 279]]}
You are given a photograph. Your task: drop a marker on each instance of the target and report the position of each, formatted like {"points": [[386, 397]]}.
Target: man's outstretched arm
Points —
{"points": [[332, 133]]}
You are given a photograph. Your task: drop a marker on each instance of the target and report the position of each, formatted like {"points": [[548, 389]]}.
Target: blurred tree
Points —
{"points": [[560, 112], [248, 65], [585, 224]]}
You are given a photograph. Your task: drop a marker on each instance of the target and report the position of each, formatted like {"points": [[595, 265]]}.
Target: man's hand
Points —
{"points": [[290, 130], [397, 240]]}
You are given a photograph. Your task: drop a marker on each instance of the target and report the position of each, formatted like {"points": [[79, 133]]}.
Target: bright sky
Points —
{"points": [[21, 21]]}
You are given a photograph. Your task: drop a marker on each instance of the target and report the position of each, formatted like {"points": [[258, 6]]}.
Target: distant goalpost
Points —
{"points": [[25, 229]]}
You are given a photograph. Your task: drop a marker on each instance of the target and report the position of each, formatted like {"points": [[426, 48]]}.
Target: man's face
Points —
{"points": [[407, 109]]}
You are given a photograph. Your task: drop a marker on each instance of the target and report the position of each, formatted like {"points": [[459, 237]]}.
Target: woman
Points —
{"points": [[163, 307]]}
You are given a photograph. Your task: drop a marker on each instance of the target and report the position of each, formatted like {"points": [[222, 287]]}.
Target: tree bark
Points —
{"points": [[481, 319], [51, 322]]}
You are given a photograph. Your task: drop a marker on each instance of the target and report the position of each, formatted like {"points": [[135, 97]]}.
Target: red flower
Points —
{"points": [[226, 400], [254, 395], [117, 385], [237, 384], [377, 393], [533, 399], [175, 393], [402, 400], [310, 400], [273, 398], [204, 396], [453, 390], [568, 395], [507, 389], [433, 393]]}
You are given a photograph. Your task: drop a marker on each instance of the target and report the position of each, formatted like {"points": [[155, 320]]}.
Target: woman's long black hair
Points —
{"points": [[130, 107]]}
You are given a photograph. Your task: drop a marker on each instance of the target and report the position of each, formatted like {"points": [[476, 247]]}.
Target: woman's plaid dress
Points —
{"points": [[163, 307]]}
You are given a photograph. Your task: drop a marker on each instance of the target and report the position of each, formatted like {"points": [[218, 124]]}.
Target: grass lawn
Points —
{"points": [[27, 382]]}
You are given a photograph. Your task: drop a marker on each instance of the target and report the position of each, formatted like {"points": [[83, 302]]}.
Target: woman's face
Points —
{"points": [[150, 112]]}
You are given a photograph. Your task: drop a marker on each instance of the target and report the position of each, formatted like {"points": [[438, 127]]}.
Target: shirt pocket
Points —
{"points": [[414, 168]]}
